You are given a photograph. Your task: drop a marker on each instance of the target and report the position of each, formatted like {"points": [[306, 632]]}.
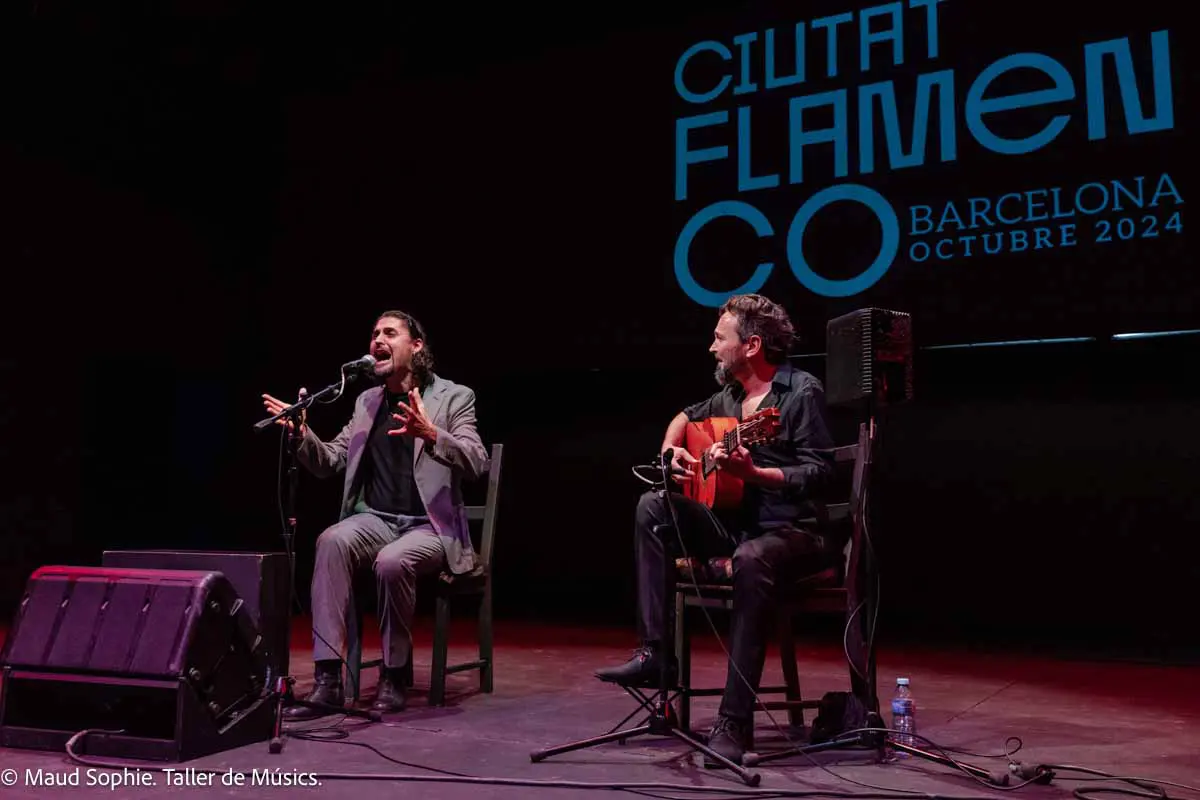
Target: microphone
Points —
{"points": [[366, 362], [668, 456]]}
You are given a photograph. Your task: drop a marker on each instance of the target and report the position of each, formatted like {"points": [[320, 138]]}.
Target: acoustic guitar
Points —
{"points": [[714, 487]]}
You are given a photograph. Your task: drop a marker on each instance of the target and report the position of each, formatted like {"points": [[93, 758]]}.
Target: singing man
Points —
{"points": [[405, 452]]}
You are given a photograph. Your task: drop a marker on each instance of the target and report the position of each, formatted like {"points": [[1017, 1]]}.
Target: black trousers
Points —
{"points": [[761, 563]]}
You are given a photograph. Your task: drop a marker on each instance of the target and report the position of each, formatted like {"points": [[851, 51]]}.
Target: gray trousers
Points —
{"points": [[401, 550]]}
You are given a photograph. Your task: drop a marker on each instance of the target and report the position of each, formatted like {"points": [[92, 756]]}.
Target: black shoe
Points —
{"points": [[327, 690], [730, 739], [641, 670], [390, 696]]}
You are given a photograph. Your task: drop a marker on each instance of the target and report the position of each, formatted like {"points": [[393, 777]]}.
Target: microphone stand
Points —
{"points": [[281, 686], [662, 720]]}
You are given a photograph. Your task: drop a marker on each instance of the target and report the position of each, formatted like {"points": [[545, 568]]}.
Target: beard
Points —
{"points": [[723, 375], [726, 373]]}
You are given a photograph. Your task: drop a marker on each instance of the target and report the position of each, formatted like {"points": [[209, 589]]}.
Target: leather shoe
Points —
{"points": [[641, 670], [327, 690], [729, 739], [390, 695]]}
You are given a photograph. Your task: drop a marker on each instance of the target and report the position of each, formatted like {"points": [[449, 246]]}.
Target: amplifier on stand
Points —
{"points": [[869, 358]]}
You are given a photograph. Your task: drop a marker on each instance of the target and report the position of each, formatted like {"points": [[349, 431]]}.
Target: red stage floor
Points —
{"points": [[1126, 719]]}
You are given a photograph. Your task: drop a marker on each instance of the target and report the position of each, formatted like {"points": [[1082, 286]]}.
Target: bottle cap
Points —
{"points": [[902, 681]]}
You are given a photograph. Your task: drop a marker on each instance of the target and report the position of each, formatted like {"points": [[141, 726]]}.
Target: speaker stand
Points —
{"points": [[282, 694]]}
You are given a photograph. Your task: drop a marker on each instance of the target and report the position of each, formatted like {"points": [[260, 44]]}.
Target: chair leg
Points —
{"points": [[791, 673], [441, 644], [486, 677], [353, 681], [683, 659], [406, 672]]}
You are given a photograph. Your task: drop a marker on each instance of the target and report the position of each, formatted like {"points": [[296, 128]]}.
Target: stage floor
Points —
{"points": [[1122, 718]]}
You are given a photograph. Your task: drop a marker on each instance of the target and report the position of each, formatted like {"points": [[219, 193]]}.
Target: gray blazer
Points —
{"points": [[438, 470]]}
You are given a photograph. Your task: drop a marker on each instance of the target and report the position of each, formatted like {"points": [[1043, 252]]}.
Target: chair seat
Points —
{"points": [[473, 582], [716, 576]]}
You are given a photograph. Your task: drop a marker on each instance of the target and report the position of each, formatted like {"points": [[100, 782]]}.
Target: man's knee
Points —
{"points": [[751, 564], [337, 538], [395, 568], [650, 510]]}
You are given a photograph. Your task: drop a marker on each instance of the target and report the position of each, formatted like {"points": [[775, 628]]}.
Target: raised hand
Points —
{"points": [[274, 406], [412, 419]]}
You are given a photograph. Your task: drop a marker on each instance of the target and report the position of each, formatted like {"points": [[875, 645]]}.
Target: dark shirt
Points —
{"points": [[387, 468], [803, 450]]}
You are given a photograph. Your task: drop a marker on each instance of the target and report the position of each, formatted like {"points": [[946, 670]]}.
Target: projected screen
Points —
{"points": [[995, 169]]}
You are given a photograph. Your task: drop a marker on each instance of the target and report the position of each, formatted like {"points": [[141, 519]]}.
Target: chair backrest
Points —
{"points": [[858, 457], [487, 511]]}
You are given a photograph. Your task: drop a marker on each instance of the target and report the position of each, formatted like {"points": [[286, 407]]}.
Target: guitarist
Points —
{"points": [[772, 536]]}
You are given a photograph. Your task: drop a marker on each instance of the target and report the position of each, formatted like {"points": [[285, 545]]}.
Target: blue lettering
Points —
{"points": [[1068, 235], [931, 23], [922, 220], [1138, 199], [746, 181], [944, 256], [1135, 121], [683, 246], [832, 23], [745, 85], [1000, 212], [1166, 187], [992, 249], [950, 216], [1059, 213], [1035, 211], [918, 251], [894, 34], [979, 211], [799, 137], [886, 92], [773, 81], [684, 157], [682, 90], [1019, 241], [887, 249], [1103, 198], [1064, 89]]}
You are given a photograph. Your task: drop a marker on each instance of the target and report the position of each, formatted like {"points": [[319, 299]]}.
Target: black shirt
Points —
{"points": [[803, 449], [387, 468]]}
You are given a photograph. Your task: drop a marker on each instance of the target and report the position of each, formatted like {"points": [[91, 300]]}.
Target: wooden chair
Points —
{"points": [[830, 592], [447, 588]]}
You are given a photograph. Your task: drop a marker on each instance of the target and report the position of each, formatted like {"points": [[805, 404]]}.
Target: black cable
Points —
{"points": [[1006, 754], [1146, 787], [529, 782]]}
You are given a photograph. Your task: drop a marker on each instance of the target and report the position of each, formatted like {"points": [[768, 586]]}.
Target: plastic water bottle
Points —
{"points": [[904, 715]]}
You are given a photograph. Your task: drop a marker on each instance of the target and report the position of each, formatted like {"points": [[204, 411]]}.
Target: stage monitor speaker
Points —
{"points": [[869, 358], [260, 580], [166, 664]]}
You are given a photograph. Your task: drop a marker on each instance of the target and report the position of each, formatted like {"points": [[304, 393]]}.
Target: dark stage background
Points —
{"points": [[203, 202]]}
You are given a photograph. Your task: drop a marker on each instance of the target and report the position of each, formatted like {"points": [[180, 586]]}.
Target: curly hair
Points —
{"points": [[422, 360], [758, 316]]}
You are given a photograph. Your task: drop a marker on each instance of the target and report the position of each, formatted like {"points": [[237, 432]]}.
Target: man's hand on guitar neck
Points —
{"points": [[739, 465]]}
